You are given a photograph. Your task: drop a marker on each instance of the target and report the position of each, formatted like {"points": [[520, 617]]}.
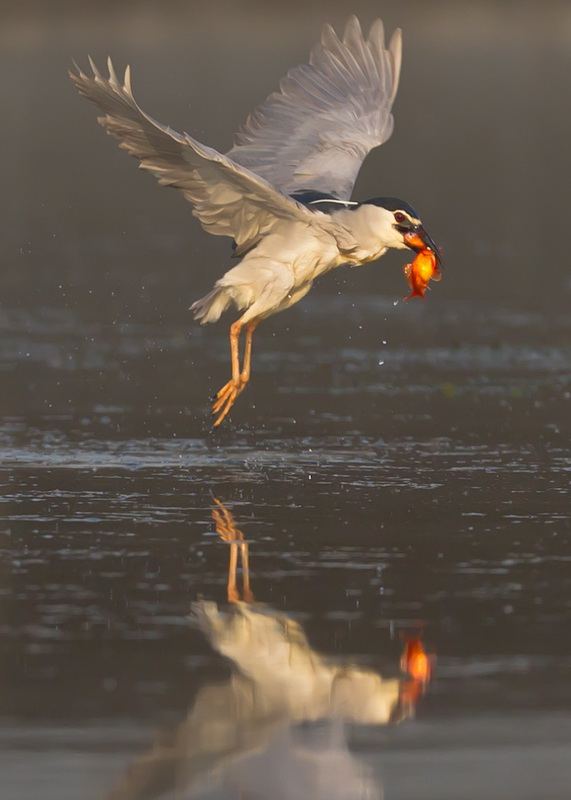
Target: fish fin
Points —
{"points": [[415, 293], [407, 269]]}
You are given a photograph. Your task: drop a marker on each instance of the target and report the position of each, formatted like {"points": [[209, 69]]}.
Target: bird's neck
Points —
{"points": [[368, 235]]}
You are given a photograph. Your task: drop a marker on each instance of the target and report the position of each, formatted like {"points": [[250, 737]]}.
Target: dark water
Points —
{"points": [[394, 468], [429, 492]]}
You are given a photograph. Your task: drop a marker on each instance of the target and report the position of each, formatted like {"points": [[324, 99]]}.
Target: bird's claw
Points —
{"points": [[223, 391], [225, 399]]}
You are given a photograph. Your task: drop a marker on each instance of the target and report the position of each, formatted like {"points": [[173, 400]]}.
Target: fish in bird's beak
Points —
{"points": [[417, 666], [415, 661], [418, 239], [422, 270]]}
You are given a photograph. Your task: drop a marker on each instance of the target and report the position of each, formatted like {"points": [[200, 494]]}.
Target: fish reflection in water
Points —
{"points": [[277, 728]]}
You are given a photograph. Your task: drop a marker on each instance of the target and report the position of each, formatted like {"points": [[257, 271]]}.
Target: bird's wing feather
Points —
{"points": [[228, 199], [316, 131]]}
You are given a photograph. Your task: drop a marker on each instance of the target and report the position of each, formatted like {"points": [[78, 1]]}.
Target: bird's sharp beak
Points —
{"points": [[418, 239]]}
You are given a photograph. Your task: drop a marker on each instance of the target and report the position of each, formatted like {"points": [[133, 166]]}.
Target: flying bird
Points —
{"points": [[282, 193]]}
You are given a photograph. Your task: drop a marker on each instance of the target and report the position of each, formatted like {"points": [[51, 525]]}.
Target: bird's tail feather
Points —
{"points": [[211, 306]]}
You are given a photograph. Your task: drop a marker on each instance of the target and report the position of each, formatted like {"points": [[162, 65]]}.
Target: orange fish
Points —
{"points": [[409, 695], [413, 240], [422, 270], [415, 661]]}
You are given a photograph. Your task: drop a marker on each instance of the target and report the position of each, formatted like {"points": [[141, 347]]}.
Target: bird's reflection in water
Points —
{"points": [[277, 728]]}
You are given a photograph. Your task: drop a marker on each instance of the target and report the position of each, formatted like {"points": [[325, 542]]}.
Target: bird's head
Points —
{"points": [[401, 225]]}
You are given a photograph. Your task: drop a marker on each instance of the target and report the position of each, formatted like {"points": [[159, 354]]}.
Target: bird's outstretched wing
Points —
{"points": [[228, 199], [316, 131]]}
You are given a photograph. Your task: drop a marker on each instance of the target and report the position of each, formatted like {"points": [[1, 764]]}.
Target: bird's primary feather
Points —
{"points": [[228, 199], [316, 131]]}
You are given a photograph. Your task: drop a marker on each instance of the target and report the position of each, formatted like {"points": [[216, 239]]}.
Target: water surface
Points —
{"points": [[426, 494], [394, 468]]}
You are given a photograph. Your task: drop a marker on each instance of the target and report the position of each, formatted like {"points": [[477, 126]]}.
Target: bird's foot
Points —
{"points": [[222, 393], [226, 398]]}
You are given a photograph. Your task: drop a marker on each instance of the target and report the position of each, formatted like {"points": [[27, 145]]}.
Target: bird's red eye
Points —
{"points": [[399, 216]]}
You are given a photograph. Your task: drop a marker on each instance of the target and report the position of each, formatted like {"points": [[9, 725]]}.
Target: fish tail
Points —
{"points": [[415, 293]]}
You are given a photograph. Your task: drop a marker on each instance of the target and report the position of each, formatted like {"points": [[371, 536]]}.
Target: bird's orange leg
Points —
{"points": [[245, 374], [226, 397], [229, 392], [226, 528], [231, 588], [247, 592]]}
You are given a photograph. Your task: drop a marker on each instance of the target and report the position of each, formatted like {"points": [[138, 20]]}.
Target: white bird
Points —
{"points": [[278, 721], [282, 193], [276, 727]]}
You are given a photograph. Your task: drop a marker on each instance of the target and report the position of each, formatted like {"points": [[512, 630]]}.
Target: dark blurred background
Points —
{"points": [[395, 466], [480, 147]]}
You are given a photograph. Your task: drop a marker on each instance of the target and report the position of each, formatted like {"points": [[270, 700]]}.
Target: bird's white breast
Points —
{"points": [[307, 250]]}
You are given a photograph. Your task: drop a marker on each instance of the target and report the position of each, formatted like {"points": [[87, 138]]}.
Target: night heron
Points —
{"points": [[276, 726], [282, 193]]}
